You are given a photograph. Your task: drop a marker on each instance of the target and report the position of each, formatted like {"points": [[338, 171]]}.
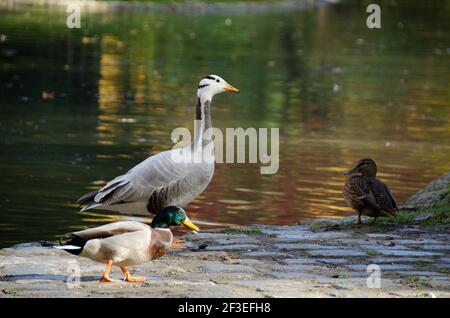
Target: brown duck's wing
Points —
{"points": [[354, 189], [111, 229], [383, 196]]}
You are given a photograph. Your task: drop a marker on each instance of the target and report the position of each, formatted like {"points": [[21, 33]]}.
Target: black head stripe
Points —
{"points": [[204, 85], [210, 77]]}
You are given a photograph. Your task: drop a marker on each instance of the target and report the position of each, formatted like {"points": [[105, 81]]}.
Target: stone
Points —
{"points": [[337, 252], [442, 265], [279, 230], [321, 224], [436, 247], [411, 253], [423, 217], [300, 246], [266, 254], [419, 273], [295, 275], [301, 267], [417, 242], [381, 259], [377, 247], [383, 267], [218, 267], [332, 260], [299, 261], [233, 247], [235, 241], [382, 235], [434, 193], [310, 236], [325, 261]]}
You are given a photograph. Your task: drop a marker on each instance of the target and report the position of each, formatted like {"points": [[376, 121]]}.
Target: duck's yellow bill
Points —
{"points": [[230, 89], [188, 224]]}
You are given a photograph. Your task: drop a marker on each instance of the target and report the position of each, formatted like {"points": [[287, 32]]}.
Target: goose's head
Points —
{"points": [[365, 166], [212, 85], [173, 216]]}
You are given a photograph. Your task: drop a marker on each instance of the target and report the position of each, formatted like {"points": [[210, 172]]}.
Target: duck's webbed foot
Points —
{"points": [[129, 278]]}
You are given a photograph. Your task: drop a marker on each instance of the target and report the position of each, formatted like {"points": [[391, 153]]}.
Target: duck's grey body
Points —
{"points": [[125, 243], [163, 179]]}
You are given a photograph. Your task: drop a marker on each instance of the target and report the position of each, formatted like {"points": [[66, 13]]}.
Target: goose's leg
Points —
{"points": [[105, 278], [129, 278]]}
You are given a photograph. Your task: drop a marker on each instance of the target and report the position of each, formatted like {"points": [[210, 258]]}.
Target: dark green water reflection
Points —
{"points": [[81, 106]]}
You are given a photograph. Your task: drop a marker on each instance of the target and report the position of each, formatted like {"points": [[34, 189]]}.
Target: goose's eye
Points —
{"points": [[218, 81]]}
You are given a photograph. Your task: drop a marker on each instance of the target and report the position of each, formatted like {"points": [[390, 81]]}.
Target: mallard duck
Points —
{"points": [[367, 194], [163, 180], [128, 243]]}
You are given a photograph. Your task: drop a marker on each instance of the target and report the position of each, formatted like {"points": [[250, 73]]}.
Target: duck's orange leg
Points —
{"points": [[105, 278], [129, 278]]}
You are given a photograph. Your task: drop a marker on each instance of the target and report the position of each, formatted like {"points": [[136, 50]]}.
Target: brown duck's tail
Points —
{"points": [[388, 213]]}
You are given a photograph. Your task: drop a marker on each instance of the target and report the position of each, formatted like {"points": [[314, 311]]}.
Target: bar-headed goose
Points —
{"points": [[163, 179]]}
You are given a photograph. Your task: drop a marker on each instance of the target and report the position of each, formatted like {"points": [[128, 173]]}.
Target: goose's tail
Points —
{"points": [[88, 201]]}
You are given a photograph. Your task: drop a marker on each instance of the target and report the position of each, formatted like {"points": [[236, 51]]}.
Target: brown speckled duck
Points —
{"points": [[367, 194]]}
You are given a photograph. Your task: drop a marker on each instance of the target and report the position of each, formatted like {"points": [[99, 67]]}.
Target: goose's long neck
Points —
{"points": [[203, 117]]}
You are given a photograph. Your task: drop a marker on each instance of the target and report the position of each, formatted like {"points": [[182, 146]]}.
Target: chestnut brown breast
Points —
{"points": [[160, 242]]}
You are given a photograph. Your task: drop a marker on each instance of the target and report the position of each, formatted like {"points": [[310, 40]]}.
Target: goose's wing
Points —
{"points": [[111, 229], [157, 172]]}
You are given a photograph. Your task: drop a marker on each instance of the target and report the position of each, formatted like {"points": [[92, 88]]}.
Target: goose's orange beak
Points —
{"points": [[230, 89]]}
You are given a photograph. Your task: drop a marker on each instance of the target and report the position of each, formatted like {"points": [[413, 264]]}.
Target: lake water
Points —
{"points": [[81, 106]]}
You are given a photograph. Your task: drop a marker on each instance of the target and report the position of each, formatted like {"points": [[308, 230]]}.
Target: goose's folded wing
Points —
{"points": [[156, 172], [112, 229]]}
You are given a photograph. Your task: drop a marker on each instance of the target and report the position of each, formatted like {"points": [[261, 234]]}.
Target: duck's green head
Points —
{"points": [[173, 216]]}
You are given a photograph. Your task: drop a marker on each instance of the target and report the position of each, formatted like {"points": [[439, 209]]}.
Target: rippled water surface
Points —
{"points": [[78, 107]]}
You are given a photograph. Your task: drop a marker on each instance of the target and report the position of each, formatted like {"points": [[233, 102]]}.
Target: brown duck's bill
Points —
{"points": [[189, 225], [351, 171], [230, 89]]}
